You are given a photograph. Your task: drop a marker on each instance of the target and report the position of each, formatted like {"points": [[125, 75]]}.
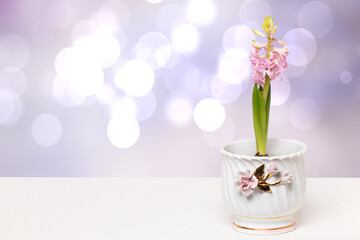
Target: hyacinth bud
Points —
{"points": [[258, 33], [268, 26]]}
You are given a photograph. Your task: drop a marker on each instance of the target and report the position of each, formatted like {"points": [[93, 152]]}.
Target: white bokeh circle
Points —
{"points": [[346, 77], [107, 94], [224, 89], [144, 107], [302, 45], [7, 106], [185, 38], [123, 131], [179, 110], [209, 114], [294, 71], [14, 79], [46, 130], [64, 95], [113, 15], [167, 15], [100, 47], [84, 76], [237, 62], [201, 11], [136, 78], [238, 36], [154, 48], [190, 78], [280, 91], [317, 17], [14, 51]]}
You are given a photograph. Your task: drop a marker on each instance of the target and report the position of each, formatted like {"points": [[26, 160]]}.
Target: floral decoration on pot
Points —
{"points": [[247, 181]]}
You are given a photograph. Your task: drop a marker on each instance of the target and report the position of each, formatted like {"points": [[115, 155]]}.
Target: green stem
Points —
{"points": [[268, 47], [266, 87]]}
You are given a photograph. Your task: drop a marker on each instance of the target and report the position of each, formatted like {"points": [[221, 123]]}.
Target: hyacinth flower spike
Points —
{"points": [[267, 66]]}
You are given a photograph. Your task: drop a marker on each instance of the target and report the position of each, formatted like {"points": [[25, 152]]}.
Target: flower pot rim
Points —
{"points": [[302, 150]]}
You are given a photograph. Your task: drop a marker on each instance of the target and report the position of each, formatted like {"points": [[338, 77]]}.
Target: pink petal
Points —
{"points": [[280, 42], [259, 44]]}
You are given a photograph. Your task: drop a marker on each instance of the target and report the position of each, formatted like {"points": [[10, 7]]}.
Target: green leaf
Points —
{"points": [[262, 113], [256, 116], [267, 111]]}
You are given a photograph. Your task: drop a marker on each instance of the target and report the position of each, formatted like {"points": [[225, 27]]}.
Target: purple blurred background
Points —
{"points": [[154, 88]]}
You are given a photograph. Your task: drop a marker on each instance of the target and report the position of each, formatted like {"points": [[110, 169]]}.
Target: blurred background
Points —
{"points": [[155, 88]]}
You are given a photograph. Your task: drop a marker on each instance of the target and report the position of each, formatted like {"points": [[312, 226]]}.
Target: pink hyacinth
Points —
{"points": [[272, 65], [247, 182]]}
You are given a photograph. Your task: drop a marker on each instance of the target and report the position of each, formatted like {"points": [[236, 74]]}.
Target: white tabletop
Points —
{"points": [[159, 208]]}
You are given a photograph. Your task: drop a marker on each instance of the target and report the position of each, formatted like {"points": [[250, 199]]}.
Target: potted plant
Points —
{"points": [[263, 180]]}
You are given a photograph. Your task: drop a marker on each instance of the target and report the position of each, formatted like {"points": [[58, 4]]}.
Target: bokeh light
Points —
{"points": [[113, 15], [223, 88], [179, 110], [317, 17], [123, 107], [123, 131], [141, 108], [101, 48], [135, 78], [14, 51], [280, 91], [144, 106], [346, 77], [84, 28], [154, 1], [167, 15], [63, 94], [184, 38], [154, 48], [235, 61], [302, 45], [238, 36], [209, 114], [18, 110], [201, 11], [294, 71], [254, 11], [14, 79], [305, 114], [189, 78], [7, 106], [46, 130], [179, 66], [107, 94], [85, 77], [224, 134]]}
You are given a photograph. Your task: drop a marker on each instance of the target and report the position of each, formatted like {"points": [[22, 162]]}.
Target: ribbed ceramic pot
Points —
{"points": [[264, 212]]}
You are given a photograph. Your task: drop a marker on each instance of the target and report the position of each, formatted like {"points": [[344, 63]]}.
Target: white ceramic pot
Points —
{"points": [[264, 212]]}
